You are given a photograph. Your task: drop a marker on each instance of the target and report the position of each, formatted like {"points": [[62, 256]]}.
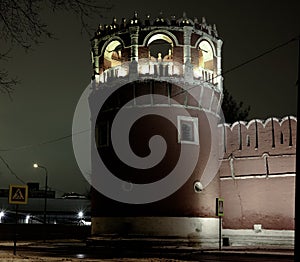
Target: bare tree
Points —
{"points": [[233, 110], [21, 24], [6, 83]]}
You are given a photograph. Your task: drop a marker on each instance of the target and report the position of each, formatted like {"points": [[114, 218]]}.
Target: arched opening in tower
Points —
{"points": [[206, 62], [113, 54], [206, 57], [160, 48]]}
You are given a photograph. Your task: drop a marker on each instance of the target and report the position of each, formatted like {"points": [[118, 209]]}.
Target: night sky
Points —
{"points": [[56, 72]]}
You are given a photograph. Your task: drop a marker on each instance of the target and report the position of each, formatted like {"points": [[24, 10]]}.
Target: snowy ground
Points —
{"points": [[9, 257], [6, 253]]}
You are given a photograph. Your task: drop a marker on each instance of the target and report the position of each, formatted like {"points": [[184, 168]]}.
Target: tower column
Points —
{"points": [[95, 60], [219, 65], [187, 31], [188, 68], [134, 35], [134, 54]]}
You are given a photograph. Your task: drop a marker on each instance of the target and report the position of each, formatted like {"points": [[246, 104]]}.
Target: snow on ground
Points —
{"points": [[8, 256]]}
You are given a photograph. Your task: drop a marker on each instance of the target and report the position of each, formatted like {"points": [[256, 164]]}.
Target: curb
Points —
{"points": [[253, 252]]}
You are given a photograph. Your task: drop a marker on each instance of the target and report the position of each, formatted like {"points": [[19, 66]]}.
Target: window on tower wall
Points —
{"points": [[187, 130]]}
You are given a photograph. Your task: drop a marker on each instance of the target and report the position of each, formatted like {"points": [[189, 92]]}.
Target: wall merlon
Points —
{"points": [[273, 136]]}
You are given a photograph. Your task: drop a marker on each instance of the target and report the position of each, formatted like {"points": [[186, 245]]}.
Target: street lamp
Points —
{"points": [[35, 165], [80, 214], [2, 214]]}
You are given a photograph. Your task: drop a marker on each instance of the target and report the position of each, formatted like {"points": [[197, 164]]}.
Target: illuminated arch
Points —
{"points": [[206, 55], [204, 38], [113, 54], [114, 38], [160, 47], [160, 36], [166, 33]]}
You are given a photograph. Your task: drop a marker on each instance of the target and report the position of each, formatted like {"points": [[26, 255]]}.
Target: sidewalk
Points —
{"points": [[255, 250]]}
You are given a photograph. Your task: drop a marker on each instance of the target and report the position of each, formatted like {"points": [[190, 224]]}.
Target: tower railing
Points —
{"points": [[161, 69], [204, 74]]}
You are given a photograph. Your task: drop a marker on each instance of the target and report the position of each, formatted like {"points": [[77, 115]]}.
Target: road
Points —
{"points": [[81, 252]]}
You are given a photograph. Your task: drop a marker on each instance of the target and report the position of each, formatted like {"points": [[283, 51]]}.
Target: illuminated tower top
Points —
{"points": [[182, 49]]}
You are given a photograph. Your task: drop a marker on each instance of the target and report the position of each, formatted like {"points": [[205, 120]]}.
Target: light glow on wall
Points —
{"points": [[206, 50], [160, 37], [112, 55]]}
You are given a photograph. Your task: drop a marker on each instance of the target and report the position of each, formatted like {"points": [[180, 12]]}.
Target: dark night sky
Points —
{"points": [[55, 73]]}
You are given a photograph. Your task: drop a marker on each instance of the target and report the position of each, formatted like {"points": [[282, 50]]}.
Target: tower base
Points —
{"points": [[197, 230]]}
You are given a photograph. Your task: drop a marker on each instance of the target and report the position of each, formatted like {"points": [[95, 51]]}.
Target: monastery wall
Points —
{"points": [[257, 174]]}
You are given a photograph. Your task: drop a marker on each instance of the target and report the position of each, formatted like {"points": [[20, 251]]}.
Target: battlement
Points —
{"points": [[160, 20], [272, 137]]}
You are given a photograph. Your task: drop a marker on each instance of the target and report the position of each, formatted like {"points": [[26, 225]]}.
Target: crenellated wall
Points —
{"points": [[274, 136], [257, 173]]}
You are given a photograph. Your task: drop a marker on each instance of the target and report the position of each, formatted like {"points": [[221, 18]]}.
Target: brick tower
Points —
{"points": [[167, 74]]}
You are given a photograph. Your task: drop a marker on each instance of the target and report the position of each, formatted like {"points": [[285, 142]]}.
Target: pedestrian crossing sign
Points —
{"points": [[18, 194]]}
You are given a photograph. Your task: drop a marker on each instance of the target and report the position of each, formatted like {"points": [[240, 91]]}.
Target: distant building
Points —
{"points": [[35, 192], [74, 208]]}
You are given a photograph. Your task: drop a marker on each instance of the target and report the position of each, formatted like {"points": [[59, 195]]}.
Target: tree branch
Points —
{"points": [[21, 25], [7, 85]]}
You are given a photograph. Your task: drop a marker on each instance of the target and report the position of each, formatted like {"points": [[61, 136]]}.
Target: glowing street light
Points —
{"points": [[35, 165], [27, 219], [80, 214], [2, 214]]}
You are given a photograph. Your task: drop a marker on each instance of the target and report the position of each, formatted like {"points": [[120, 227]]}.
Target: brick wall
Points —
{"points": [[257, 174]]}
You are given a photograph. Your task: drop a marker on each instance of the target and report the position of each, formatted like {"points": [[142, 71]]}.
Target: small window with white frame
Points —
{"points": [[188, 130]]}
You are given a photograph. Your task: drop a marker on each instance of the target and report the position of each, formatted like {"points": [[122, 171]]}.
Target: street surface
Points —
{"points": [[78, 251]]}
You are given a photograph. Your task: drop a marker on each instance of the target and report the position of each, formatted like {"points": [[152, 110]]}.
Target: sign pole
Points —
{"points": [[220, 233], [18, 195], [220, 213], [16, 225]]}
